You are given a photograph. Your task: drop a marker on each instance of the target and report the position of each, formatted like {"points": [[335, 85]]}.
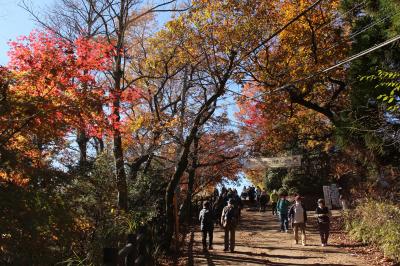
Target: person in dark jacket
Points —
{"points": [[298, 217], [252, 194], [206, 218], [264, 198], [243, 195], [218, 206], [323, 217]]}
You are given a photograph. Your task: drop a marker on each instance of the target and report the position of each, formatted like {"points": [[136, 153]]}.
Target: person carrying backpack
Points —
{"points": [[323, 217], [206, 218], [282, 207], [298, 217], [229, 220]]}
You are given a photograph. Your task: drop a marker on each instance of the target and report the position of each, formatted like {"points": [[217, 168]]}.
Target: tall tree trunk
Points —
{"points": [[169, 196], [119, 156], [118, 75], [82, 140], [81, 137], [191, 177], [204, 114], [183, 162]]}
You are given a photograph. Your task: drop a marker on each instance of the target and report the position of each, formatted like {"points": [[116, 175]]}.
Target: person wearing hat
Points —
{"points": [[206, 218], [323, 217], [229, 220], [298, 217]]}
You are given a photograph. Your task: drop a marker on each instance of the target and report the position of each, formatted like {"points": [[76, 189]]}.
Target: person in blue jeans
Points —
{"points": [[283, 207]]}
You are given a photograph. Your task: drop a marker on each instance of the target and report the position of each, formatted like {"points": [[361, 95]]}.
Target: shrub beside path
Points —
{"points": [[258, 242]]}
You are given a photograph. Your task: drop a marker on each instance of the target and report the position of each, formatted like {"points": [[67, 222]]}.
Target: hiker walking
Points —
{"points": [[238, 203], [298, 217], [264, 198], [229, 222], [258, 194], [274, 200], [206, 218], [243, 195], [323, 218], [252, 194], [282, 207]]}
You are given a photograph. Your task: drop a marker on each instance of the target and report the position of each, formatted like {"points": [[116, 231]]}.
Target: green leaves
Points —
{"points": [[386, 81]]}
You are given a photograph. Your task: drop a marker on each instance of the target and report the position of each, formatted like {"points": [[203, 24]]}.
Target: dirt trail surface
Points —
{"points": [[258, 242]]}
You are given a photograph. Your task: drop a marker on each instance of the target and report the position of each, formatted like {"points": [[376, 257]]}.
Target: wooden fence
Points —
{"points": [[133, 253]]}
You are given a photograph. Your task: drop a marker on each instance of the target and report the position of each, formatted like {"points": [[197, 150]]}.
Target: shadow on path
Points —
{"points": [[190, 249], [258, 242]]}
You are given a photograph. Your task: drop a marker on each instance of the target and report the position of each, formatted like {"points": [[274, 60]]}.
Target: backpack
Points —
{"points": [[230, 217], [283, 206], [207, 219]]}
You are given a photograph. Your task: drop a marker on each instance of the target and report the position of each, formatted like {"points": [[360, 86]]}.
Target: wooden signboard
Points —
{"points": [[335, 196], [274, 162], [327, 196]]}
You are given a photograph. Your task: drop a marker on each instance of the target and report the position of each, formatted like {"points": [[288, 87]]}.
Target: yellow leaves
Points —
{"points": [[13, 177], [256, 176], [136, 124], [83, 224]]}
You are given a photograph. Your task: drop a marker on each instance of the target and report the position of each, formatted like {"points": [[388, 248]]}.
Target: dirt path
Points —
{"points": [[259, 243]]}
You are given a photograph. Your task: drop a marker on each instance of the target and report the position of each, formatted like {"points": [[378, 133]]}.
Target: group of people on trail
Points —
{"points": [[296, 213], [228, 220], [221, 201], [225, 211], [256, 195]]}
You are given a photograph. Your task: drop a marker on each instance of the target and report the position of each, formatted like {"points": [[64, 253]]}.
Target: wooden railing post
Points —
{"points": [[130, 259], [110, 256], [141, 249]]}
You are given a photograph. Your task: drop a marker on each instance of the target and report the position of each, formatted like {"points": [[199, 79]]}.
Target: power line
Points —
{"points": [[360, 4], [276, 33], [372, 24], [367, 27], [367, 51], [347, 60]]}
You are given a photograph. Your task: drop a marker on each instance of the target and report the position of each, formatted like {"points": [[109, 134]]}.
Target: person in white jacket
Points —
{"points": [[298, 218]]}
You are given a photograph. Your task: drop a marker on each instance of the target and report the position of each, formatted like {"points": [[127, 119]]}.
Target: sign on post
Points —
{"points": [[331, 195], [335, 196], [327, 196]]}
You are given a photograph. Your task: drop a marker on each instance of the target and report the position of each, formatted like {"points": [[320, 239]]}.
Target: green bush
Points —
{"points": [[377, 223], [273, 179], [70, 220]]}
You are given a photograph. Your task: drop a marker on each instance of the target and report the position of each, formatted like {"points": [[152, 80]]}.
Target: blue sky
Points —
{"points": [[14, 21]]}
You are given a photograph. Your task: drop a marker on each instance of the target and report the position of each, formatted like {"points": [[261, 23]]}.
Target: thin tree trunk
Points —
{"points": [[82, 140], [119, 161], [118, 87], [169, 197], [135, 166], [191, 177]]}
